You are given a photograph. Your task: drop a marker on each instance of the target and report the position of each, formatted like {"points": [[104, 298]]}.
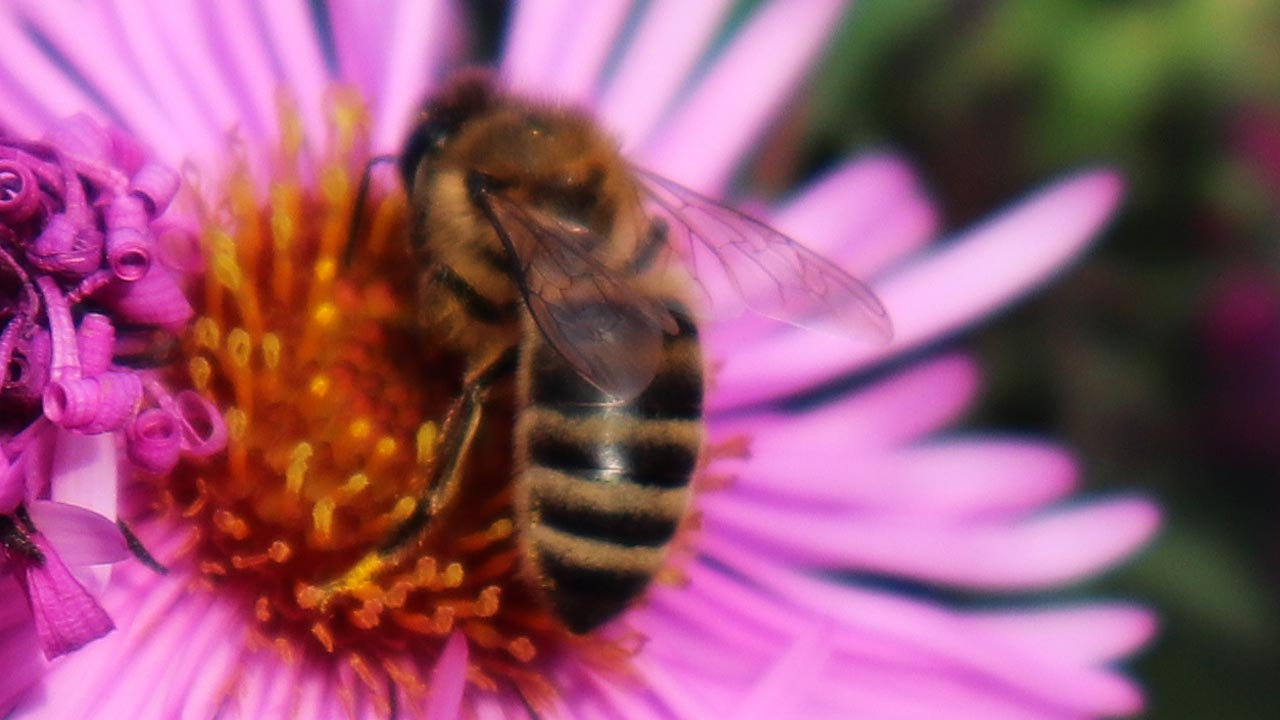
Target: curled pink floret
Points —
{"points": [[94, 340], [128, 247], [81, 135], [27, 371], [155, 185], [67, 247], [91, 405], [19, 196], [155, 440], [203, 430], [155, 299]]}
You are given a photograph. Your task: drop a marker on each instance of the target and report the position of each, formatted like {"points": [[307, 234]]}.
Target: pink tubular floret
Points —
{"points": [[95, 339], [128, 247], [76, 233], [203, 430], [19, 196], [155, 440], [155, 185], [92, 405]]}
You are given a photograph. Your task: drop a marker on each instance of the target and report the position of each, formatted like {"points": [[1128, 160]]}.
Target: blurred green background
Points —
{"points": [[1158, 357]]}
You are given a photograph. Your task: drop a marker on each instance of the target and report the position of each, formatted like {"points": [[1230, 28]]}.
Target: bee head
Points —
{"points": [[470, 94]]}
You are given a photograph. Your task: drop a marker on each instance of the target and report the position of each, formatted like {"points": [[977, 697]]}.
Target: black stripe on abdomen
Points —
{"points": [[586, 597], [626, 528], [653, 463]]}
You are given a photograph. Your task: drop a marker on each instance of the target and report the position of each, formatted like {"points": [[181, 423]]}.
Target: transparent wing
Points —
{"points": [[610, 333], [738, 259]]}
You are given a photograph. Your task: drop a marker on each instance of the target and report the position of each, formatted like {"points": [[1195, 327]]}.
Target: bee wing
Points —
{"points": [[607, 330], [733, 254]]}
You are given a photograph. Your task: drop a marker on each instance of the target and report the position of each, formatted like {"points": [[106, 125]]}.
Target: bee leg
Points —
{"points": [[460, 426], [357, 214]]}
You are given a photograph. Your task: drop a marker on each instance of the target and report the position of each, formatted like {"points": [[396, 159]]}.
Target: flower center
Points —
{"points": [[333, 397]]}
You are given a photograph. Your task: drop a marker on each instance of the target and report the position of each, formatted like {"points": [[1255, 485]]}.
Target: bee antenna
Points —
{"points": [[357, 213]]}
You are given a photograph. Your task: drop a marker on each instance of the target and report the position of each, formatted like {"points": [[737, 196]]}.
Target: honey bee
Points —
{"points": [[550, 261]]}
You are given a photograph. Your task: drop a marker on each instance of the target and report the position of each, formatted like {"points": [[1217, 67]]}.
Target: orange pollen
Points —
{"points": [[333, 395]]}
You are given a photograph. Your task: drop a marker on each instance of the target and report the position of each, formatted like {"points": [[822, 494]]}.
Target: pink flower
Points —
{"points": [[77, 245], [786, 606]]}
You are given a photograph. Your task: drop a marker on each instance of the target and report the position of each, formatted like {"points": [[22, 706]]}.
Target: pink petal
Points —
{"points": [[1044, 551], [412, 55], [85, 472], [67, 617], [19, 646], [81, 537], [791, 678], [926, 694], [673, 691], [95, 56], [291, 35], [585, 44], [907, 405], [845, 212], [863, 216], [954, 477], [711, 131], [360, 29], [138, 26], [950, 288], [911, 633], [1090, 634], [236, 44], [448, 679], [13, 486], [671, 37], [188, 43], [42, 90], [534, 42]]}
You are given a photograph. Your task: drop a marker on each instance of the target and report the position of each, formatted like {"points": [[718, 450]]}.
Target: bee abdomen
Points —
{"points": [[588, 582], [675, 392], [605, 484]]}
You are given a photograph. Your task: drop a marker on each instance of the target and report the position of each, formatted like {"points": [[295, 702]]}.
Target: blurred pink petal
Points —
{"points": [[19, 645], [237, 49], [671, 37], [448, 679], [967, 278], [710, 131], [913, 633], [415, 64], [81, 537], [588, 39], [146, 43], [94, 56], [912, 403], [1094, 634], [296, 48], [66, 616], [1040, 551], [85, 471], [534, 42], [953, 477], [780, 691]]}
